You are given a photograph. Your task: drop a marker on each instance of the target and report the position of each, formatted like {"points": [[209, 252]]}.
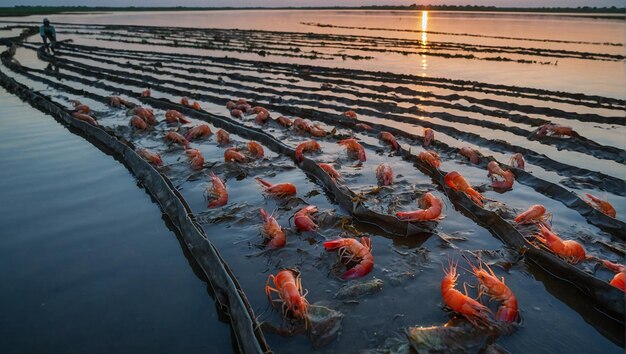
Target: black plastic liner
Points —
{"points": [[227, 291], [607, 299]]}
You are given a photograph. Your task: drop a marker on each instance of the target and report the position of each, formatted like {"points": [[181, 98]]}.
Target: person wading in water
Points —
{"points": [[47, 32]]}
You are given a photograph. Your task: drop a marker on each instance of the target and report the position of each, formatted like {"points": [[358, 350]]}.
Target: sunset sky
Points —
{"points": [[208, 3]]}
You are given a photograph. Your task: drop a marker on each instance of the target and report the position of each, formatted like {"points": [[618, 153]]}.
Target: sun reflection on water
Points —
{"points": [[424, 41]]}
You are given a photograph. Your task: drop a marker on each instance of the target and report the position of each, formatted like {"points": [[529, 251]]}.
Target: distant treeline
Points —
{"points": [[40, 10]]}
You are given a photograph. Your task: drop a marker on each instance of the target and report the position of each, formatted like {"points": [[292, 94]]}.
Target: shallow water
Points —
{"points": [[87, 264], [410, 267]]}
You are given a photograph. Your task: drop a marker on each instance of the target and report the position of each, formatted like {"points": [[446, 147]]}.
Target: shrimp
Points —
{"points": [[384, 174], [303, 220], [455, 181], [115, 101], [495, 170], [217, 193], [271, 230], [138, 122], [174, 116], [85, 118], [284, 121], [535, 214], [184, 101], [243, 107], [307, 146], [350, 114], [495, 288], [197, 160], [196, 106], [364, 126], [431, 209], [150, 156], [177, 138], [223, 137], [471, 154], [389, 138], [602, 205], [237, 113], [262, 116], [359, 252], [430, 157], [429, 136], [317, 131], [232, 155], [619, 280], [288, 285], [146, 93], [82, 108], [146, 114], [255, 149], [230, 105], [198, 131], [334, 174], [354, 148], [301, 124], [569, 250], [475, 312], [278, 189], [517, 160], [555, 130]]}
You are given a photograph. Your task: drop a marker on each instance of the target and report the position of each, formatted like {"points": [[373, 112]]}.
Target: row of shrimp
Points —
{"points": [[569, 250]]}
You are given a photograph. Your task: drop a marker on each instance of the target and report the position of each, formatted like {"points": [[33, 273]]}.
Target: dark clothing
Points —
{"points": [[48, 32]]}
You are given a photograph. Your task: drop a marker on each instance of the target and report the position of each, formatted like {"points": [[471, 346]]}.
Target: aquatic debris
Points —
{"points": [[150, 156], [356, 289], [601, 205], [355, 252], [447, 339], [288, 285], [303, 220], [271, 230], [455, 181], [517, 161], [476, 313], [217, 194], [569, 250], [431, 209], [324, 324]]}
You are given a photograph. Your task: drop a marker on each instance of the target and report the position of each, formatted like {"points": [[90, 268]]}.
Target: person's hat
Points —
{"points": [[45, 20]]}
